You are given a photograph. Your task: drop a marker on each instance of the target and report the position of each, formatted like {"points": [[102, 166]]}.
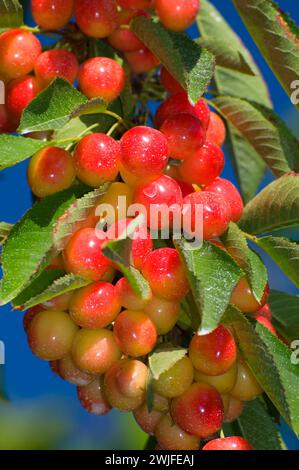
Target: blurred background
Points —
{"points": [[43, 411]]}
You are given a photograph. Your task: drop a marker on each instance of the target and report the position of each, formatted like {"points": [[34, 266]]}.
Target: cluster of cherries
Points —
{"points": [[99, 337]]}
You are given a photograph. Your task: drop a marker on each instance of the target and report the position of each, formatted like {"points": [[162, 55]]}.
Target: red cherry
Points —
{"points": [[216, 131], [124, 40], [169, 83], [265, 311], [198, 411], [93, 399], [164, 271], [144, 152], [96, 159], [83, 255], [204, 166], [96, 18], [52, 14], [178, 104], [19, 94], [60, 303], [134, 4], [229, 192], [215, 211], [56, 63], [142, 60], [228, 443], [266, 323], [215, 353], [185, 135], [6, 125], [186, 188], [177, 15]]}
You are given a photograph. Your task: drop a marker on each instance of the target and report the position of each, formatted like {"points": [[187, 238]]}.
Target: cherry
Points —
{"points": [[60, 303], [228, 443], [215, 213], [101, 77], [83, 255], [224, 383], [229, 192], [50, 170], [142, 60], [146, 419], [214, 353], [144, 152], [128, 298], [126, 15], [119, 197], [124, 40], [161, 202], [95, 306], [246, 387], [131, 378], [94, 351], [30, 314], [243, 298], [165, 273], [169, 83], [177, 15], [160, 403], [265, 311], [52, 14], [179, 104], [19, 93], [97, 159], [50, 335], [93, 399], [19, 51], [176, 380], [234, 409], [135, 333], [6, 125], [163, 313], [198, 411], [204, 166], [96, 18], [186, 188], [69, 372], [216, 131], [135, 4], [56, 63], [185, 135], [266, 323], [172, 437]]}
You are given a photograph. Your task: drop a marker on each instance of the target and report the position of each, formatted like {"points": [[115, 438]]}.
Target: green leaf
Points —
{"points": [[191, 65], [29, 247], [270, 361], [75, 216], [11, 14], [285, 308], [52, 108], [255, 270], [78, 126], [259, 131], [15, 149], [274, 208], [285, 253], [212, 275], [5, 230], [276, 36], [93, 106], [164, 358]]}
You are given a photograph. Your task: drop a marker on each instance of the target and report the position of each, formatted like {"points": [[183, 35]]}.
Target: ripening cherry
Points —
{"points": [[171, 437], [229, 192], [92, 397], [204, 166], [185, 135], [228, 443], [94, 351], [83, 255], [119, 197], [124, 40], [243, 298], [198, 411], [96, 159], [68, 371], [234, 410], [214, 353], [216, 131], [56, 63], [246, 387], [177, 15], [147, 420], [144, 152], [95, 306], [30, 314], [128, 297], [176, 380], [96, 18], [265, 311], [179, 104], [52, 14], [169, 83], [215, 215], [224, 383], [19, 51], [135, 333], [50, 170], [101, 77], [142, 60], [51, 334], [266, 323], [131, 378], [165, 273], [60, 303], [19, 93], [135, 4], [163, 313]]}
